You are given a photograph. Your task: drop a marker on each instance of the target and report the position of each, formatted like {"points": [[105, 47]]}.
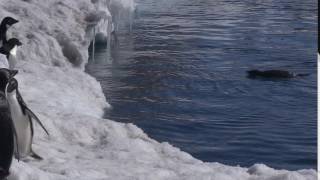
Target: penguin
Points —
{"points": [[273, 74], [8, 53], [22, 118], [7, 129], [6, 23], [6, 137]]}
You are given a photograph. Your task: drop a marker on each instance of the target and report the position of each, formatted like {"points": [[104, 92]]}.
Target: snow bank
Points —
{"points": [[82, 145]]}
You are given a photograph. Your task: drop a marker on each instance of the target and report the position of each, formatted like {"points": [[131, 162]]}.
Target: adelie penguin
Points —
{"points": [[8, 53], [273, 74], [22, 118], [6, 23], [7, 129]]}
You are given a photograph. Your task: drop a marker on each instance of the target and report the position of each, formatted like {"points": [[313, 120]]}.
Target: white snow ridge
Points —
{"points": [[70, 103]]}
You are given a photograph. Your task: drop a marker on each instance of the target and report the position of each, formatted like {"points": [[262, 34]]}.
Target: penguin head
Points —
{"points": [[12, 46], [8, 21], [12, 85], [8, 73], [5, 76], [253, 73], [12, 73]]}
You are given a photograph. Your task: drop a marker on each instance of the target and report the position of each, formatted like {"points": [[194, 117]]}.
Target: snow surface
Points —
{"points": [[70, 103], [4, 61]]}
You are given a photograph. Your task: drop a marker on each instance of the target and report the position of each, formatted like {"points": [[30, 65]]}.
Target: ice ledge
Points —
{"points": [[70, 102]]}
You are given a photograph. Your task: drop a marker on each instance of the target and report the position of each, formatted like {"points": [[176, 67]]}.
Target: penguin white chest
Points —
{"points": [[12, 62], [12, 57], [22, 125]]}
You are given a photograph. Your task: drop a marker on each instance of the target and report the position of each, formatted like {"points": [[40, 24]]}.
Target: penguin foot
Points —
{"points": [[36, 156], [4, 174]]}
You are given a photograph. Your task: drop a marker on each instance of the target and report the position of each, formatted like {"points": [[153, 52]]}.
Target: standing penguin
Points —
{"points": [[6, 23], [22, 117], [6, 137], [7, 131], [8, 53]]}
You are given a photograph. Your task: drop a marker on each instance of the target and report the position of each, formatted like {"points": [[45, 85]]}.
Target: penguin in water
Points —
{"points": [[273, 74], [7, 129], [6, 23], [8, 53], [22, 118]]}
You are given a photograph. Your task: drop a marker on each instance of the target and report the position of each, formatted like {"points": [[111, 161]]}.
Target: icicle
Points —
{"points": [[109, 29], [93, 42], [119, 19], [130, 21]]}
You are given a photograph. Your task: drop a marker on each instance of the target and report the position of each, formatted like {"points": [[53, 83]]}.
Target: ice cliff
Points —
{"points": [[82, 145]]}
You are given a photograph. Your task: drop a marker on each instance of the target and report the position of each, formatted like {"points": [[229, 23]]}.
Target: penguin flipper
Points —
{"points": [[33, 116], [35, 155], [27, 111]]}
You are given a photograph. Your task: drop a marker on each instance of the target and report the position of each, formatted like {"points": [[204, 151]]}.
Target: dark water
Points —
{"points": [[180, 75]]}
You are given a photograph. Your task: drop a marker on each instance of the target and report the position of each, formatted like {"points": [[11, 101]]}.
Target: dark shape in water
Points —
{"points": [[273, 74]]}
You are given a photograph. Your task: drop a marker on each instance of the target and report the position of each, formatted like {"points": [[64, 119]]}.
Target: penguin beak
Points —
{"points": [[13, 73], [15, 21]]}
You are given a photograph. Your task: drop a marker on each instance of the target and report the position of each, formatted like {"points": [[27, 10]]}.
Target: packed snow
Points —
{"points": [[82, 145]]}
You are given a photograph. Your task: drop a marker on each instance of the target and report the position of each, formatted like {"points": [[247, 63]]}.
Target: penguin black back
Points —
{"points": [[3, 80], [7, 133], [7, 130]]}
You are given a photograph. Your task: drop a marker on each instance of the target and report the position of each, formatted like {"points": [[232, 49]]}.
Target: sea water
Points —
{"points": [[180, 75]]}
